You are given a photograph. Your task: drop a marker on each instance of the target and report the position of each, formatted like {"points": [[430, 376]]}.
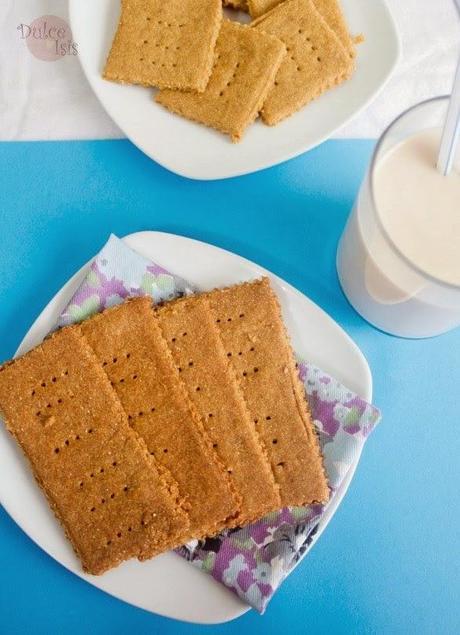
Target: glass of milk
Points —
{"points": [[398, 259]]}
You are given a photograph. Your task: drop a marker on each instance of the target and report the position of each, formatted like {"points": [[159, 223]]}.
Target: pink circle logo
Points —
{"points": [[48, 38]]}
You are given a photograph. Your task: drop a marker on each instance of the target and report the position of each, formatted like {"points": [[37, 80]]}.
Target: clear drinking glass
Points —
{"points": [[380, 281]]}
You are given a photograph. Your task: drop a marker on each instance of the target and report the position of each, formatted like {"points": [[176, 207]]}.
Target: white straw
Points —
{"points": [[451, 130]]}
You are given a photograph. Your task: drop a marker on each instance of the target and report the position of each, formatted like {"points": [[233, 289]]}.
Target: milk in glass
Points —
{"points": [[399, 258]]}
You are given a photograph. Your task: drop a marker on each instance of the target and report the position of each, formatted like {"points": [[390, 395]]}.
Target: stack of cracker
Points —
{"points": [[149, 426], [224, 74]]}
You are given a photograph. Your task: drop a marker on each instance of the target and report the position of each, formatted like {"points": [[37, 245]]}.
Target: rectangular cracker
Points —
{"points": [[129, 344], [98, 477], [202, 361], [316, 59], [244, 72], [248, 317], [329, 9], [168, 44]]}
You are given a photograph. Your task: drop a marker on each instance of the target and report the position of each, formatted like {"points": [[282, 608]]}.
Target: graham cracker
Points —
{"points": [[316, 59], [246, 64], [98, 477], [165, 44], [238, 5], [129, 344], [333, 14], [202, 362], [329, 9], [249, 320]]}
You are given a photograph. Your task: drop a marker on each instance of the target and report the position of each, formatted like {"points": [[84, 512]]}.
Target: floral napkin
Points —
{"points": [[252, 561]]}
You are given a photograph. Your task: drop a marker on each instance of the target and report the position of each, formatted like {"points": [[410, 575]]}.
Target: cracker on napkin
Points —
{"points": [[246, 64], [249, 319], [316, 60], [165, 44], [99, 479], [131, 349], [193, 338]]}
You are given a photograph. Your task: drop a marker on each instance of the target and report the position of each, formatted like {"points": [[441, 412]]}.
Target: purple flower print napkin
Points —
{"points": [[252, 561], [116, 273]]}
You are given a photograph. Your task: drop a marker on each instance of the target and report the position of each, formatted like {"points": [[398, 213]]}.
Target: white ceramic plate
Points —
{"points": [[167, 584], [197, 152]]}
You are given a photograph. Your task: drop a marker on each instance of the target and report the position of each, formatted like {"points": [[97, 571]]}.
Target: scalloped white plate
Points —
{"points": [[167, 584], [197, 152]]}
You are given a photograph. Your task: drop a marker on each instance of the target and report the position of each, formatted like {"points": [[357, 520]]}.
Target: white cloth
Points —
{"points": [[40, 100]]}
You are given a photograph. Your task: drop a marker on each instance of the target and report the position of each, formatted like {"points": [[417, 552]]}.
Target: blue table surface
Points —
{"points": [[389, 560]]}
